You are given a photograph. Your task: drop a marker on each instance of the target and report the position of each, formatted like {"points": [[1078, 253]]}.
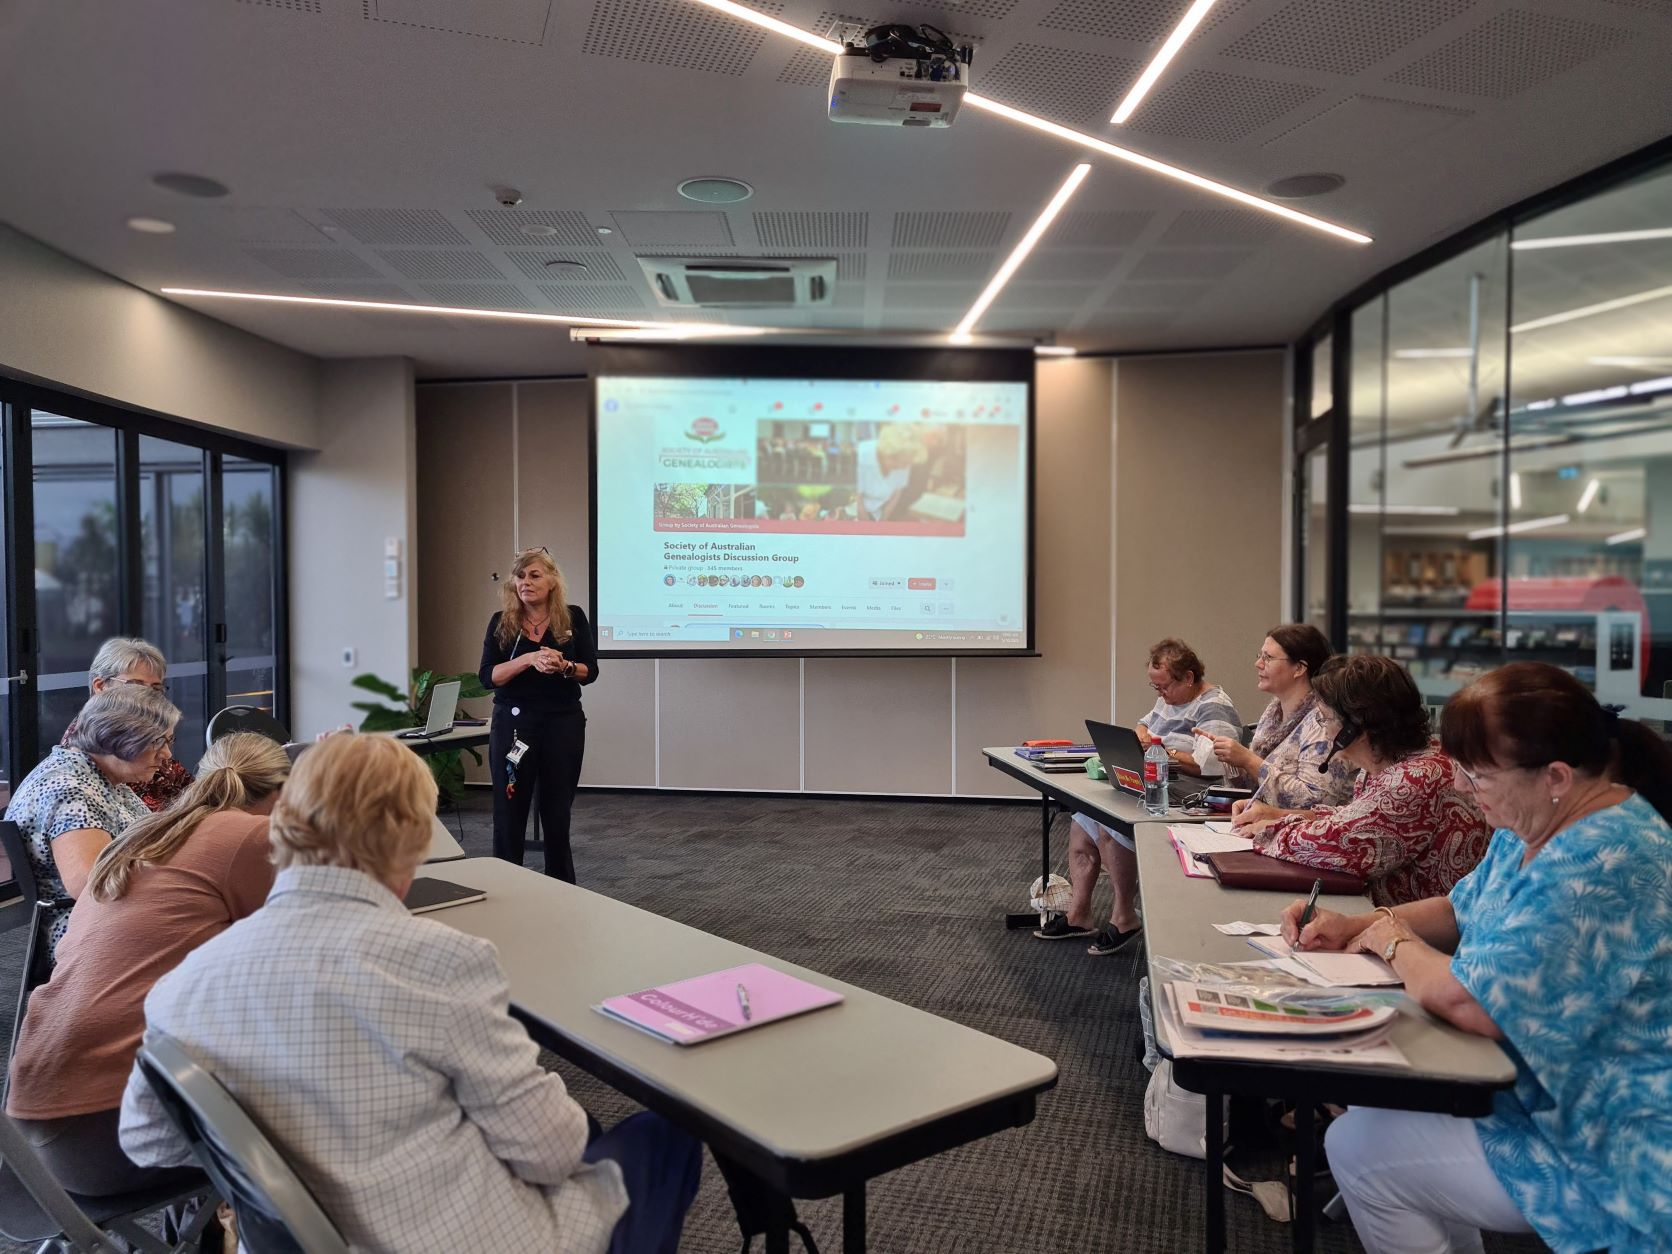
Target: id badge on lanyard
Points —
{"points": [[513, 755]]}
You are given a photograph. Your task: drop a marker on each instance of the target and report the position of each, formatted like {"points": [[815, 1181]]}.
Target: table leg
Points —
{"points": [[1306, 1153], [1215, 1168], [853, 1220], [1048, 810], [778, 1238]]}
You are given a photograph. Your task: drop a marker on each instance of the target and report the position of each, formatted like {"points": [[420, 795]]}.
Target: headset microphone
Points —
{"points": [[1349, 732]]}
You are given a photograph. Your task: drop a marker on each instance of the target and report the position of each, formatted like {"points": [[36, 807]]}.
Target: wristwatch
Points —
{"points": [[1392, 947]]}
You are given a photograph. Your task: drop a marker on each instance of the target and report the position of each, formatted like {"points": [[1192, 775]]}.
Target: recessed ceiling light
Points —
{"points": [[190, 185], [151, 226], [1052, 350], [1516, 528], [715, 191], [1300, 186], [1428, 354], [1586, 311], [1192, 18], [604, 230], [1024, 246], [539, 230], [1626, 537], [1023, 118], [563, 263]]}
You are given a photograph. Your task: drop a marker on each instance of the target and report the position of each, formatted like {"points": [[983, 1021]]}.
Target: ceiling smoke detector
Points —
{"points": [[564, 265], [715, 191], [1300, 186], [538, 230]]}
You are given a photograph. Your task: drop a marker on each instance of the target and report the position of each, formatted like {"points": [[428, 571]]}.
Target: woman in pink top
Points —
{"points": [[167, 884], [1407, 829]]}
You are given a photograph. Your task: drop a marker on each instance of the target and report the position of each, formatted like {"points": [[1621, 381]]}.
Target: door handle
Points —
{"points": [[21, 677]]}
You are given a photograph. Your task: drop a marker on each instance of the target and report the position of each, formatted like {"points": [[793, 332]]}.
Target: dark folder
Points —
{"points": [[1247, 869], [429, 894]]}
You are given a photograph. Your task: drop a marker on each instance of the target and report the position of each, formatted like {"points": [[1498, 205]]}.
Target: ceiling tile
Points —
{"points": [[295, 6], [953, 297], [255, 224], [692, 228], [1069, 86], [1071, 264], [676, 33], [532, 262], [1342, 36], [439, 263], [599, 298], [849, 266], [1205, 104], [479, 295], [396, 226], [367, 290], [509, 21], [1516, 50], [1367, 124], [1141, 21], [810, 229], [546, 228], [942, 265], [1219, 226], [1099, 228], [1189, 263], [958, 228], [808, 67], [313, 263]]}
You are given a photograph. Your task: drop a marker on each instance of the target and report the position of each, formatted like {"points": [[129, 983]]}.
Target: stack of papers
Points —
{"points": [[1202, 839], [1363, 1042], [1328, 970]]}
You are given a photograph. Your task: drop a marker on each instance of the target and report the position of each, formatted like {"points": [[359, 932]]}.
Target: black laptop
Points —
{"points": [[1123, 758]]}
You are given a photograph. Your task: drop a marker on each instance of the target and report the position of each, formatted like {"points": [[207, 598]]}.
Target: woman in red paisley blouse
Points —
{"points": [[1407, 829]]}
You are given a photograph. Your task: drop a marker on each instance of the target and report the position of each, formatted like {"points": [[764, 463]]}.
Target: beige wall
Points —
{"points": [[346, 499], [1198, 516], [877, 725], [68, 325]]}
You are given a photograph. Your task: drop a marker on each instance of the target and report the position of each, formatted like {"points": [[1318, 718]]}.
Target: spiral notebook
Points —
{"points": [[689, 1012]]}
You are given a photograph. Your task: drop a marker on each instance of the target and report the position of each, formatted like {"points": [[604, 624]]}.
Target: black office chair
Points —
{"points": [[244, 718], [37, 970], [276, 1212], [35, 1209]]}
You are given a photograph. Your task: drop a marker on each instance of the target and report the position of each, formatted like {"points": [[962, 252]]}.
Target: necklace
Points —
{"points": [[537, 626]]}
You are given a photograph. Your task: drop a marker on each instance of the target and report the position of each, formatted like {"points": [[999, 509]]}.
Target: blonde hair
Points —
{"points": [[511, 606], [363, 802], [240, 770]]}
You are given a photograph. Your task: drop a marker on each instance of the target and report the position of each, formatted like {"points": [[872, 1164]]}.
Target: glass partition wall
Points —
{"points": [[1507, 440]]}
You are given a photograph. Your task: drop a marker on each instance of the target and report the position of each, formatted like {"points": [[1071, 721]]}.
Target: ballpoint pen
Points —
{"points": [[1311, 905], [743, 1003]]}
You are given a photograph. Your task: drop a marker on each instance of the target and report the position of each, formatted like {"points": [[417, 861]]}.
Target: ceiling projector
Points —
{"points": [[900, 76]]}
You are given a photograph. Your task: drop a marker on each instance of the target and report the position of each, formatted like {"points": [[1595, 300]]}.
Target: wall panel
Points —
{"points": [[879, 725], [731, 723]]}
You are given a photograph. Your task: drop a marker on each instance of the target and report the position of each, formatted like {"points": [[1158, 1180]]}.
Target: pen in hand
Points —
{"points": [[743, 1002], [1311, 907]]}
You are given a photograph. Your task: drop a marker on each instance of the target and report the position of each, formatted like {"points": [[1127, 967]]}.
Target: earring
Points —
{"points": [[1554, 800]]}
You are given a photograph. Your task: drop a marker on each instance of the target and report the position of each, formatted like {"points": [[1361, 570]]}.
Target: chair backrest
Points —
{"points": [[244, 718], [23, 870], [276, 1212], [37, 970], [49, 1195]]}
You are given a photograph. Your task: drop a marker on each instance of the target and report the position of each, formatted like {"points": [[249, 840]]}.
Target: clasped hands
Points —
{"points": [[550, 661]]}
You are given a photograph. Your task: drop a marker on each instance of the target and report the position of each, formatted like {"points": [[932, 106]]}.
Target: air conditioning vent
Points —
{"points": [[740, 283]]}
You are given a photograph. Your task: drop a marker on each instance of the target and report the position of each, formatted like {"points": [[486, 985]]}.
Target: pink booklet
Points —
{"points": [[706, 1006]]}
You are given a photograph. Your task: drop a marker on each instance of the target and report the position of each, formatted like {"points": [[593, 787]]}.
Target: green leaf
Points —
{"points": [[381, 718], [383, 688]]}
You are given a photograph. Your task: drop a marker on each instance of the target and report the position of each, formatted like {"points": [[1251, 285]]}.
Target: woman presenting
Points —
{"points": [[538, 652]]}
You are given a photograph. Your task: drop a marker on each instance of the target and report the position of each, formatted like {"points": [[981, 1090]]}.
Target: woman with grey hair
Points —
{"points": [[128, 660], [82, 796]]}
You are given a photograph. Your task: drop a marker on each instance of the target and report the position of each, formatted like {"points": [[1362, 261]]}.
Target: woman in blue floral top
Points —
{"points": [[1290, 743], [1558, 946], [81, 797]]}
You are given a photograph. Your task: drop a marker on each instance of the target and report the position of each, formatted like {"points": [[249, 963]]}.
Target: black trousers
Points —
{"points": [[549, 772]]}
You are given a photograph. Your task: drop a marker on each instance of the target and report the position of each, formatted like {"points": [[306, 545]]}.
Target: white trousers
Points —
{"points": [[1418, 1183]]}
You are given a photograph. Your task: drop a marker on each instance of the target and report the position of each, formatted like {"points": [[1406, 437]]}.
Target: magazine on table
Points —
{"points": [[1242, 1010]]}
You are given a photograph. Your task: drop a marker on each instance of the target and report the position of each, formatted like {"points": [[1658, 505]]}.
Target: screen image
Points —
{"points": [[799, 515]]}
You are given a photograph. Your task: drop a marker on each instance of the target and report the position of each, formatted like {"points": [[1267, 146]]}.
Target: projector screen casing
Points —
{"points": [[753, 362]]}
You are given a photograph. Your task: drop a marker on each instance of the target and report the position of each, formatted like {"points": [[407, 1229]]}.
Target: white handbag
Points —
{"points": [[1175, 1118]]}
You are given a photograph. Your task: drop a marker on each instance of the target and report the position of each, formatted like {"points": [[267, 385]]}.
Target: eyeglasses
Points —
{"points": [[519, 556], [1270, 659], [1476, 778], [155, 685]]}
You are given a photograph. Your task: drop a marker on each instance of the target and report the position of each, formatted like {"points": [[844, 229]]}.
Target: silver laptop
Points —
{"points": [[444, 707]]}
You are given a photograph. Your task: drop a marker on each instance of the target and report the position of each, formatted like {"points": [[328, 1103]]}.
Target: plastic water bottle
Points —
{"points": [[1156, 769]]}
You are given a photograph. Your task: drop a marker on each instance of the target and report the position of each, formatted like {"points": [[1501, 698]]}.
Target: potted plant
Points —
{"points": [[411, 708]]}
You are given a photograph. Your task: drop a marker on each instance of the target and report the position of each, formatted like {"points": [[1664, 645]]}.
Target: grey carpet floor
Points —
{"points": [[905, 899]]}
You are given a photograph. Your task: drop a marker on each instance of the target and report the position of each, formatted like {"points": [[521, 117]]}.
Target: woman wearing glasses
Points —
{"points": [[139, 663], [537, 653], [1407, 829], [1281, 763], [1559, 945], [81, 797]]}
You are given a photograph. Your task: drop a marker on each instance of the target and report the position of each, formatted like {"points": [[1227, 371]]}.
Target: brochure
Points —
{"points": [[688, 1012]]}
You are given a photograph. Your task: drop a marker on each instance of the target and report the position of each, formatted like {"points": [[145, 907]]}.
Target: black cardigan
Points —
{"points": [[532, 692]]}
